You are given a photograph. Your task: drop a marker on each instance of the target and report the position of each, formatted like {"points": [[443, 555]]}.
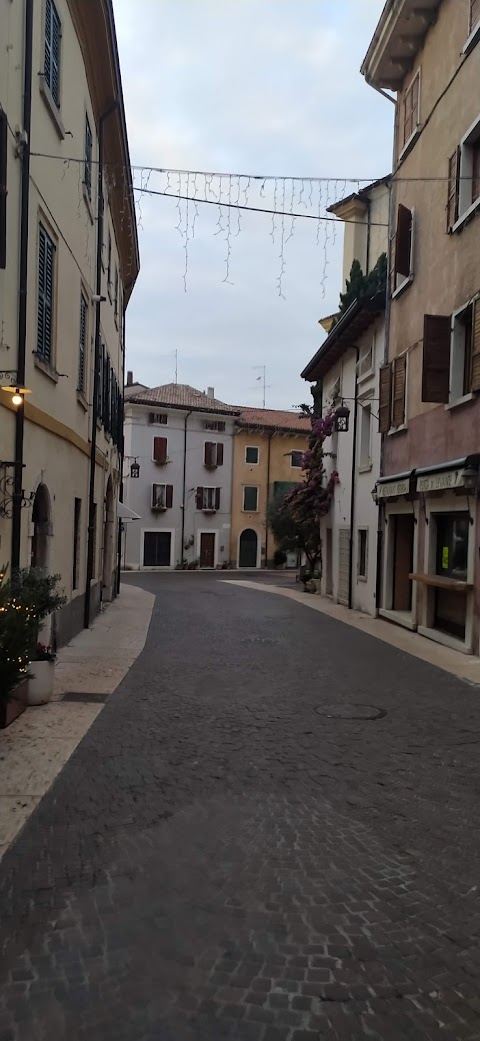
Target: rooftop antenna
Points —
{"points": [[263, 380], [176, 367]]}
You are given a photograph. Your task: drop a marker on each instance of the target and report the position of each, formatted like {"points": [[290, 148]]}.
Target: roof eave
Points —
{"points": [[325, 356], [398, 38]]}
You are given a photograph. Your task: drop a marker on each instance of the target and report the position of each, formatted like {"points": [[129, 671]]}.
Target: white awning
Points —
{"points": [[124, 513]]}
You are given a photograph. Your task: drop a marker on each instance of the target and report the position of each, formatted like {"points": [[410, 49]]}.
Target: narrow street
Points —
{"points": [[270, 833]]}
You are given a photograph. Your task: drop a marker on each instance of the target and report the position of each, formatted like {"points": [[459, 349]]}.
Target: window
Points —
{"points": [[88, 158], [160, 450], [464, 179], [46, 262], [452, 545], [251, 455], [115, 294], [208, 499], [52, 50], [109, 264], [76, 542], [158, 418], [296, 460], [365, 361], [393, 383], [402, 265], [82, 349], [411, 110], [250, 499], [94, 551], [213, 455], [365, 436], [461, 354], [157, 548], [3, 188], [162, 496], [362, 558], [474, 14], [213, 424]]}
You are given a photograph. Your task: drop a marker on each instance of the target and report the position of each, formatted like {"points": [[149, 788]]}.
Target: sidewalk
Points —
{"points": [[34, 749], [464, 666]]}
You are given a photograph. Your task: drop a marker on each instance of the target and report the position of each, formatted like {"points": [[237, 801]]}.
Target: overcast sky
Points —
{"points": [[268, 87]]}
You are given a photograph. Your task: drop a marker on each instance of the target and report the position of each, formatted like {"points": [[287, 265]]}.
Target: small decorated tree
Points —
{"points": [[17, 626]]}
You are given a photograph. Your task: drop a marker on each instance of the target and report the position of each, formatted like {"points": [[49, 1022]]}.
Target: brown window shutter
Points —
{"points": [[399, 383], [199, 498], [453, 188], [475, 171], [403, 241], [217, 498], [160, 449], [169, 496], [208, 453], [221, 426], [3, 189], [219, 455], [436, 358], [474, 13], [476, 347], [385, 399]]}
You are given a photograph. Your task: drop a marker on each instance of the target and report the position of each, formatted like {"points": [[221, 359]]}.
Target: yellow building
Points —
{"points": [[68, 263], [267, 459]]}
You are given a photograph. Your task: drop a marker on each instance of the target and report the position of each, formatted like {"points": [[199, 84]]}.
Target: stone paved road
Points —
{"points": [[271, 833]]}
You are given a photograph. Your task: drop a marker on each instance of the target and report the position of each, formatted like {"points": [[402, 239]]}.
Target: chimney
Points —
{"points": [[129, 379], [211, 392]]}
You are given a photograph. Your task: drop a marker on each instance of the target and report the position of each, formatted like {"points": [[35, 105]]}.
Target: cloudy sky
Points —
{"points": [[255, 87]]}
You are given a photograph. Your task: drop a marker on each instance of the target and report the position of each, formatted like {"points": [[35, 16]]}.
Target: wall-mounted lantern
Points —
{"points": [[342, 417], [135, 469]]}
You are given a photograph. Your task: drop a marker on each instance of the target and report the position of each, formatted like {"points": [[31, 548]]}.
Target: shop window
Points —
{"points": [[452, 545]]}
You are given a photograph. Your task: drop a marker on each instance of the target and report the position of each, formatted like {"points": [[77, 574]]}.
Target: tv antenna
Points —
{"points": [[262, 369]]}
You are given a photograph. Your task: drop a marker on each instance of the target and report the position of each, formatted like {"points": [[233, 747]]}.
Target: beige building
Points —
{"points": [[68, 264], [429, 55], [267, 460]]}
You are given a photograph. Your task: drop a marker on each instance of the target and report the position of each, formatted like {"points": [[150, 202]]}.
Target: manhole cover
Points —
{"points": [[89, 699], [351, 711]]}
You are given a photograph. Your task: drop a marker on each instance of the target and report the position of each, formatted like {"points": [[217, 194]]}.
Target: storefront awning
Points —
{"points": [[124, 513], [394, 485]]}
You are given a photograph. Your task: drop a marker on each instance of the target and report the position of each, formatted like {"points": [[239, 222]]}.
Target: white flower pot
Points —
{"points": [[40, 684]]}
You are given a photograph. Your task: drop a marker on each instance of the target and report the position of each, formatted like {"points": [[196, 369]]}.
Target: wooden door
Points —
{"points": [[343, 565], [207, 549], [403, 562]]}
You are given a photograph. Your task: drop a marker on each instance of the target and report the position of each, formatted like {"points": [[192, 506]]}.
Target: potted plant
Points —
{"points": [[42, 675], [15, 631]]}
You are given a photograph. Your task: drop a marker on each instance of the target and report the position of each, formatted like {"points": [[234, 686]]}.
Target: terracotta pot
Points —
{"points": [[17, 703], [40, 684]]}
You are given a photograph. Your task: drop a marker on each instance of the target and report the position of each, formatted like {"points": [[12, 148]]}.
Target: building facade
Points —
{"points": [[429, 405], [347, 367], [267, 461], [63, 293], [177, 478]]}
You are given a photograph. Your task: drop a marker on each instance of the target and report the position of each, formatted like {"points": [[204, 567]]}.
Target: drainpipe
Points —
{"points": [[268, 494], [96, 357], [121, 422], [353, 490], [184, 503], [22, 287]]}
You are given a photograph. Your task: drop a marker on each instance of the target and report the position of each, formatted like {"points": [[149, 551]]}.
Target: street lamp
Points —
{"points": [[342, 416]]}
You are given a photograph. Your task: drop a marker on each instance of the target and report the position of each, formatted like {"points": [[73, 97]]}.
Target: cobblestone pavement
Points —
{"points": [[271, 833]]}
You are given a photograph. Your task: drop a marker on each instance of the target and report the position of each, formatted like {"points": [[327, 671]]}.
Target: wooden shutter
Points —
{"points": [[83, 342], [399, 382], [55, 52], [219, 455], [199, 498], [169, 496], [453, 188], [221, 426], [3, 188], [474, 13], [160, 449], [209, 446], [436, 358], [476, 346], [47, 64], [217, 498], [385, 408], [475, 171], [403, 241], [46, 251]]}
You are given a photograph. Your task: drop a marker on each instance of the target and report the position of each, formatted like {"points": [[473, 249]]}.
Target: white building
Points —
{"points": [[180, 443], [347, 366]]}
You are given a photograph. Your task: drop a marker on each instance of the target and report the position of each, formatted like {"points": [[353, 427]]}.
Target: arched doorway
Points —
{"points": [[108, 542], [248, 546], [42, 527]]}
